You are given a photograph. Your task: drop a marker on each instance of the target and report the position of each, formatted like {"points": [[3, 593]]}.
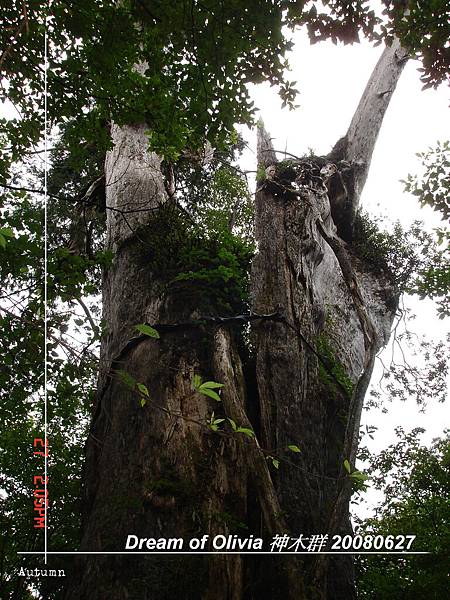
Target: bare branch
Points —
{"points": [[95, 329], [265, 152], [366, 123]]}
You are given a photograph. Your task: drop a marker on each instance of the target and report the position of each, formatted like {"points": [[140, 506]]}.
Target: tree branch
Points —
{"points": [[29, 190], [366, 122], [95, 329], [265, 153]]}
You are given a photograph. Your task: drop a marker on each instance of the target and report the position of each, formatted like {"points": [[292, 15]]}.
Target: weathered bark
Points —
{"points": [[313, 369], [354, 151], [158, 470]]}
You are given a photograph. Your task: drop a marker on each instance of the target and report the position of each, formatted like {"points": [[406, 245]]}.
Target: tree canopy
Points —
{"points": [[183, 68], [195, 61], [416, 486]]}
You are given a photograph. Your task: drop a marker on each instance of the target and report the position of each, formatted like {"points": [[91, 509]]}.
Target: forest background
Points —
{"points": [[71, 386]]}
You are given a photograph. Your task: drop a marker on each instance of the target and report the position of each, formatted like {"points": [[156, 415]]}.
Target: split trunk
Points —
{"points": [[157, 470]]}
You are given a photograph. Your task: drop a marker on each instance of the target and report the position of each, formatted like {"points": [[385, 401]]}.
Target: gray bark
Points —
{"points": [[313, 369], [158, 470], [353, 152], [365, 126]]}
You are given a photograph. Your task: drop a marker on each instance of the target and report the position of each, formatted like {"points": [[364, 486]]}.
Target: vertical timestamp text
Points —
{"points": [[40, 495]]}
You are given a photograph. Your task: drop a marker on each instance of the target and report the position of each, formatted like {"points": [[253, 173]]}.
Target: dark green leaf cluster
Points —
{"points": [[214, 268], [181, 67], [333, 20], [416, 485], [21, 274], [433, 188], [423, 26], [216, 194], [70, 386], [220, 268], [433, 280], [73, 276], [414, 259]]}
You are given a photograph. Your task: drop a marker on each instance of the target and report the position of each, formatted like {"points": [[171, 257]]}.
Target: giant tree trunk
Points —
{"points": [[158, 470]]}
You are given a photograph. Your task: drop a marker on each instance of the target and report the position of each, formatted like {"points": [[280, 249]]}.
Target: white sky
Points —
{"points": [[331, 80]]}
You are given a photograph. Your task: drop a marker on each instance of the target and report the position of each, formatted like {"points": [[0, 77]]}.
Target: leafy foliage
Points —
{"points": [[210, 263], [422, 377], [416, 260], [214, 423], [207, 388], [147, 330], [433, 188], [220, 268], [69, 389], [237, 429], [294, 448], [71, 375], [416, 484], [423, 27], [195, 60], [358, 478]]}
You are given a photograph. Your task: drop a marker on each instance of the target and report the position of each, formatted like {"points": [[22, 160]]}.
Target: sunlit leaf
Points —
{"points": [[147, 330]]}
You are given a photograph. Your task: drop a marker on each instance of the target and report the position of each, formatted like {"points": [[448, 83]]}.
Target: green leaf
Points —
{"points": [[7, 232], [347, 466], [196, 382], [211, 384], [143, 402], [294, 448], [147, 330], [210, 393], [233, 424], [2, 241], [359, 476], [248, 432], [214, 423], [143, 389], [127, 379], [276, 463]]}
